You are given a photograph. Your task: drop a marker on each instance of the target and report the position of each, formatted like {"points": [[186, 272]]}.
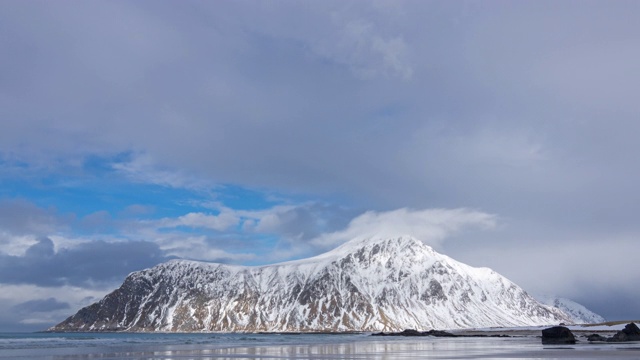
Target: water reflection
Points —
{"points": [[319, 347], [382, 350]]}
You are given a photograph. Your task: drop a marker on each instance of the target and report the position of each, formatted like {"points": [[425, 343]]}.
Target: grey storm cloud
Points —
{"points": [[40, 305], [88, 264]]}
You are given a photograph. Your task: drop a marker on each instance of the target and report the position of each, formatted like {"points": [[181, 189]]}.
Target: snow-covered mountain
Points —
{"points": [[370, 284], [577, 312]]}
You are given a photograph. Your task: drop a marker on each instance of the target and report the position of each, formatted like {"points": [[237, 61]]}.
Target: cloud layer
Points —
{"points": [[219, 131], [431, 226]]}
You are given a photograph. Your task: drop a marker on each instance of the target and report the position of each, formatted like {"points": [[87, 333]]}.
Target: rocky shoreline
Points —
{"points": [[556, 335], [562, 335]]}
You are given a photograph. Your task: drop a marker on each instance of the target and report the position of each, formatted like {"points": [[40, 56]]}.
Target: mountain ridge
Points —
{"points": [[578, 313], [367, 284]]}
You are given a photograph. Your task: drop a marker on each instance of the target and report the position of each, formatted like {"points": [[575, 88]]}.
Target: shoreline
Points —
{"points": [[611, 326]]}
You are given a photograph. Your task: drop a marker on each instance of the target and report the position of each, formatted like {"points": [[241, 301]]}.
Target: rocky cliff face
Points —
{"points": [[364, 285]]}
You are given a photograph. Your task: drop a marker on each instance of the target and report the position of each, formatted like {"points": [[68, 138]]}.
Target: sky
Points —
{"points": [[502, 133]]}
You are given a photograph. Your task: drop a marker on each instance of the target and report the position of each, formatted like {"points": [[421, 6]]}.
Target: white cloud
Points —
{"points": [[16, 245], [393, 53], [199, 248], [365, 48], [220, 222], [305, 229], [66, 242], [271, 220], [362, 39], [144, 169], [431, 226]]}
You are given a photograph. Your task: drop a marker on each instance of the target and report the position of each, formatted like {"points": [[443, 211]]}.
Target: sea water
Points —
{"points": [[104, 346]]}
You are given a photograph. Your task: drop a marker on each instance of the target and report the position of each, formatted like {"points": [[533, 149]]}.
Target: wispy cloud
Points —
{"points": [[432, 226], [142, 168], [223, 221]]}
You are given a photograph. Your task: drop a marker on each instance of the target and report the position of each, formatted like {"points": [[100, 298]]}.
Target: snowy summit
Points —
{"points": [[577, 312], [370, 284]]}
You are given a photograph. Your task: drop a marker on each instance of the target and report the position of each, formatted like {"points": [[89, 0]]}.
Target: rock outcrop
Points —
{"points": [[557, 335], [596, 338], [631, 332], [412, 332]]}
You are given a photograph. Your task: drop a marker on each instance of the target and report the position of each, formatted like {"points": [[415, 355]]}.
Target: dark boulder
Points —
{"points": [[596, 337], [557, 335], [631, 332]]}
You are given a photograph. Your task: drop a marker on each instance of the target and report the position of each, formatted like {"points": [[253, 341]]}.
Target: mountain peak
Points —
{"points": [[578, 313], [367, 284], [388, 242]]}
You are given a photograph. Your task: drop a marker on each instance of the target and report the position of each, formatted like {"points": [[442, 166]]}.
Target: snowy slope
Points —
{"points": [[364, 285], [577, 312]]}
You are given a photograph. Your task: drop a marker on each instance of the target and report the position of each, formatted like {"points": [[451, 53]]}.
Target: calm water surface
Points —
{"points": [[41, 346]]}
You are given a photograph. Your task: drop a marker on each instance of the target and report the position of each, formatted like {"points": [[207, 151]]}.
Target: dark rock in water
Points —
{"points": [[439, 333], [382, 333], [631, 332], [596, 337], [436, 333], [411, 332], [557, 335]]}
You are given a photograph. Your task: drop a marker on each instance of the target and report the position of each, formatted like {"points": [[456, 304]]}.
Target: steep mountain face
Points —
{"points": [[577, 312], [364, 285]]}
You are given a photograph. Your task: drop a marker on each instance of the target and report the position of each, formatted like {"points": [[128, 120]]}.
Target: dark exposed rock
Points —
{"points": [[596, 337], [407, 332], [437, 333], [631, 332], [411, 332], [557, 335]]}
